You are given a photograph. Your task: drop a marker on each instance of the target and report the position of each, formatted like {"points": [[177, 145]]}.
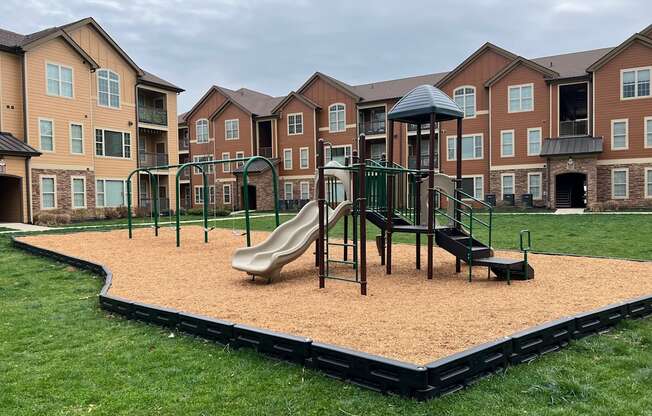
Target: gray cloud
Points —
{"points": [[274, 45]]}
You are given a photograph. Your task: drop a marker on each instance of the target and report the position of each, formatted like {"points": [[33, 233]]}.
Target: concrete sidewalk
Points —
{"points": [[17, 226]]}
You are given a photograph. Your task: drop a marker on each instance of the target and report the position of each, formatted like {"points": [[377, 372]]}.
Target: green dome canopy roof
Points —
{"points": [[417, 105]]}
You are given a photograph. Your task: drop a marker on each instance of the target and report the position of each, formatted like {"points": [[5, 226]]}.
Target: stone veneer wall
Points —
{"points": [[520, 185], [587, 166], [63, 187], [264, 190], [636, 197]]}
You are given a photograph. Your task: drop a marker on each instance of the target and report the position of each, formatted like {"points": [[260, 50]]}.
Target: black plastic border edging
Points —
{"points": [[440, 377]]}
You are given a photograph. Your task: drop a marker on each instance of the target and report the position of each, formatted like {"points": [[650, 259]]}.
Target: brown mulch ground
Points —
{"points": [[405, 316]]}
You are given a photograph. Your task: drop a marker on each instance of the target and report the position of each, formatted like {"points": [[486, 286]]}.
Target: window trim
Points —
{"points": [[97, 76], [636, 96], [226, 167], [72, 83], [124, 190], [210, 169], [225, 186], [295, 124], [613, 171], [285, 193], [540, 175], [123, 132], [226, 134], [519, 86], [540, 130], [613, 122], [330, 107], [481, 176], [75, 123], [481, 135], [502, 184], [239, 155], [338, 146], [211, 195], [513, 132], [301, 184], [475, 100], [307, 166], [647, 133], [647, 183], [285, 166], [54, 191], [194, 194], [40, 136], [72, 192], [207, 131]]}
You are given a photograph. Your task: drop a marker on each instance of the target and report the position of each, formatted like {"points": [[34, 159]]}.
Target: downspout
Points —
{"points": [[490, 141], [138, 151], [28, 185]]}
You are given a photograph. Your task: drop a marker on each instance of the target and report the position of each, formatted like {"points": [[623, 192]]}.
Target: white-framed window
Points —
{"points": [[521, 98], [203, 158], [507, 143], [239, 155], [48, 192], [288, 191], [226, 167], [76, 138], [110, 192], [648, 182], [336, 118], [619, 134], [620, 183], [635, 83], [534, 184], [507, 184], [201, 130], [59, 80], [46, 134], [287, 159], [78, 194], [108, 88], [304, 158], [472, 147], [226, 194], [534, 141], [648, 131], [295, 123], [304, 187], [198, 192], [340, 153], [465, 98], [473, 185], [110, 143], [211, 194], [232, 129]]}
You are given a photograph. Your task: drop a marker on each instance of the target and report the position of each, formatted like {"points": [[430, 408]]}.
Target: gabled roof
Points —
{"points": [[257, 166], [647, 31], [224, 106], [213, 89], [332, 81], [548, 73], [475, 55], [294, 95], [255, 102], [418, 105], [10, 145], [396, 88], [571, 65], [150, 79], [637, 37]]}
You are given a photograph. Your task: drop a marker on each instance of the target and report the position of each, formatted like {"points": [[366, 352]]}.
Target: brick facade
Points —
{"points": [[520, 186], [586, 166], [636, 185], [63, 183], [264, 190]]}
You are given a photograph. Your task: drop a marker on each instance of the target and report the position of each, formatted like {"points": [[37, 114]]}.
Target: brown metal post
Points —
{"points": [[458, 178], [321, 200], [417, 196], [390, 197], [362, 201], [383, 161], [431, 195]]}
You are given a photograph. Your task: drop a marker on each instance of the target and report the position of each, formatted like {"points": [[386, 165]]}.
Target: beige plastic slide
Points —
{"points": [[286, 243], [444, 183]]}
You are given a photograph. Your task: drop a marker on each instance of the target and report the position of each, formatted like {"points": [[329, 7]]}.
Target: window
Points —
{"points": [[619, 134], [336, 118], [109, 193], [108, 88], [287, 159], [648, 182], [507, 143], [201, 130], [78, 192], [521, 98], [465, 99], [203, 158], [507, 186], [48, 192], [635, 83], [226, 194], [232, 129], [226, 167], [46, 134], [304, 158], [648, 131], [534, 141], [339, 153], [112, 143], [288, 191], [211, 194], [471, 147], [473, 185], [295, 123], [199, 195], [305, 190], [534, 185], [620, 183], [239, 155], [76, 138], [59, 80]]}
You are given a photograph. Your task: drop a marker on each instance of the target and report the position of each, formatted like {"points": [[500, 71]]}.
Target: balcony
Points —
{"points": [[185, 174], [184, 143], [425, 128], [147, 204], [412, 162], [578, 127], [371, 121], [265, 152], [370, 128], [150, 160], [152, 115]]}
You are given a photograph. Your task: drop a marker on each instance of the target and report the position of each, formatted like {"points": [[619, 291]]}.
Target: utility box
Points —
{"points": [[490, 199], [526, 199], [508, 199]]}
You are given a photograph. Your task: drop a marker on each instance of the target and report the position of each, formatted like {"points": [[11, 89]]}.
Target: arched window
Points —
{"points": [[465, 98], [108, 88], [336, 118], [201, 129]]}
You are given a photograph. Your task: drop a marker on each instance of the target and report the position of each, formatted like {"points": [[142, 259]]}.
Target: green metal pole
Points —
{"points": [[178, 206], [129, 205], [245, 201], [154, 182], [205, 180]]}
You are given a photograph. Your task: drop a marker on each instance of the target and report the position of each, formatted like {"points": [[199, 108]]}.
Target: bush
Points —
{"points": [[195, 211], [51, 218], [79, 215], [222, 212], [111, 213]]}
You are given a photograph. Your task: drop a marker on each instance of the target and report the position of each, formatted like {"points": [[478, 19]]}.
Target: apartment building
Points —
{"points": [[569, 130], [77, 115]]}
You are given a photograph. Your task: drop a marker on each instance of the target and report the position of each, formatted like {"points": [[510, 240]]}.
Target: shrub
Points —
{"points": [[83, 214], [51, 218], [111, 213], [222, 212], [100, 214], [122, 211], [195, 211]]}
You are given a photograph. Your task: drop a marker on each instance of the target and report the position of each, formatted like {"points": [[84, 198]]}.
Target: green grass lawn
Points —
{"points": [[6, 229], [60, 354]]}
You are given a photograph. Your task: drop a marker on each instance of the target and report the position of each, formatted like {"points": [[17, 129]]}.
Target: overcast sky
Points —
{"points": [[274, 45]]}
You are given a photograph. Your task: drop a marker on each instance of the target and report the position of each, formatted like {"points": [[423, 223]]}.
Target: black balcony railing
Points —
{"points": [[425, 128], [372, 127], [163, 204], [184, 144], [265, 152], [412, 162], [185, 174], [151, 115], [574, 127], [149, 160]]}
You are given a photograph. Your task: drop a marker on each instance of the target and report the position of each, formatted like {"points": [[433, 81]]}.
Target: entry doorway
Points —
{"points": [[11, 195], [570, 190], [251, 195]]}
